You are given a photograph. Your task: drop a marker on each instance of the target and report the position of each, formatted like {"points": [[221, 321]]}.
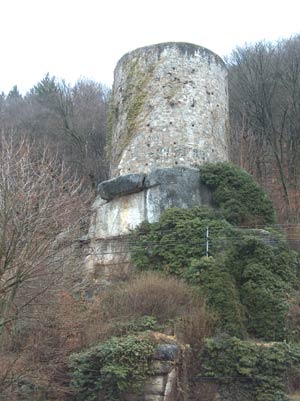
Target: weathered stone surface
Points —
{"points": [[173, 187], [122, 185], [169, 107], [153, 397], [161, 367], [170, 388], [172, 176], [98, 203], [167, 352], [118, 216], [155, 385], [168, 115], [163, 188]]}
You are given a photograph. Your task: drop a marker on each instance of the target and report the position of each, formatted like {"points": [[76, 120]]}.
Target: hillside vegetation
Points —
{"points": [[249, 280], [221, 279]]}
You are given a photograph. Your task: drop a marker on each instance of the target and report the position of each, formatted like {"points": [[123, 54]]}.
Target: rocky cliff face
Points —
{"points": [[126, 201]]}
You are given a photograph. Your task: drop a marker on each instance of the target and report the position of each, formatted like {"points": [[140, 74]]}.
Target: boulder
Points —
{"points": [[135, 198], [167, 352], [120, 186], [174, 187]]}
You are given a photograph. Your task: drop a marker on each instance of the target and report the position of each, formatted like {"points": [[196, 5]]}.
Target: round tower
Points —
{"points": [[169, 107]]}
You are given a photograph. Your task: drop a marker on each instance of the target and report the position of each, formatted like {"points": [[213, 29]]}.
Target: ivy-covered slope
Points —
{"points": [[239, 261], [248, 277], [248, 370], [111, 368], [237, 195]]}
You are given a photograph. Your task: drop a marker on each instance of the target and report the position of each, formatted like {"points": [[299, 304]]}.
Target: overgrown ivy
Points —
{"points": [[111, 368], [179, 237], [217, 285], [258, 370], [247, 278], [237, 195], [265, 275]]}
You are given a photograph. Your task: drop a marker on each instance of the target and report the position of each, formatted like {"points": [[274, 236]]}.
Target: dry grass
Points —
{"points": [[152, 294], [61, 325]]}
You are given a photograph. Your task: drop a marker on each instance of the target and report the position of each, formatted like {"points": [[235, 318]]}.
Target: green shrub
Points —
{"points": [[246, 280], [135, 326], [179, 237], [265, 276], [111, 368], [218, 287], [258, 369], [237, 195]]}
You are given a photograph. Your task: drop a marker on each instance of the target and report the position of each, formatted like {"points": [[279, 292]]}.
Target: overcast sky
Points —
{"points": [[85, 38]]}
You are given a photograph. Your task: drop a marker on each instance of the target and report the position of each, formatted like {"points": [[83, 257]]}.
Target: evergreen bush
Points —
{"points": [[237, 195], [111, 368], [247, 279], [258, 369]]}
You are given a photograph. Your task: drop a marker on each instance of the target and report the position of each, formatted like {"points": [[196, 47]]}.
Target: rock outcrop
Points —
{"points": [[135, 198], [168, 115]]}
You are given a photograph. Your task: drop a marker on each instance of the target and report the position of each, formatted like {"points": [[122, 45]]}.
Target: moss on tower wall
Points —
{"points": [[168, 108]]}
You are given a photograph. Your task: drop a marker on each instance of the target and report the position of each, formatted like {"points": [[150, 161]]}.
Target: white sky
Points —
{"points": [[85, 38]]}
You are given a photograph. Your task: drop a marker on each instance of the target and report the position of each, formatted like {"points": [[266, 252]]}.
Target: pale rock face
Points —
{"points": [[169, 107], [119, 216], [161, 189]]}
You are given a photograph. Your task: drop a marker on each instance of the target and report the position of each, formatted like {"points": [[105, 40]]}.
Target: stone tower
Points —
{"points": [[168, 108], [168, 115]]}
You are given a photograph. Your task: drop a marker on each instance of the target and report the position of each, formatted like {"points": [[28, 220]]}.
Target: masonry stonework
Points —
{"points": [[169, 107]]}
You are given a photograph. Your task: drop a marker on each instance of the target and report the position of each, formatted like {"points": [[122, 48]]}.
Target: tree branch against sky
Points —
{"points": [[264, 96], [38, 201]]}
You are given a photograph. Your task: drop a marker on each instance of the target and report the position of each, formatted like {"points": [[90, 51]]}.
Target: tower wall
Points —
{"points": [[168, 115], [169, 107]]}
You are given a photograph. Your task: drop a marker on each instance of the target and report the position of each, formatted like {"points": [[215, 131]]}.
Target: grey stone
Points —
{"points": [[174, 187], [167, 352], [163, 188], [153, 397], [172, 176], [118, 216], [180, 93], [161, 367], [155, 385], [122, 185], [98, 203], [170, 388]]}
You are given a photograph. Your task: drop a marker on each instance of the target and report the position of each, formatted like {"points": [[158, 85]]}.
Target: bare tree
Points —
{"points": [[71, 120], [74, 118], [38, 201], [264, 93]]}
